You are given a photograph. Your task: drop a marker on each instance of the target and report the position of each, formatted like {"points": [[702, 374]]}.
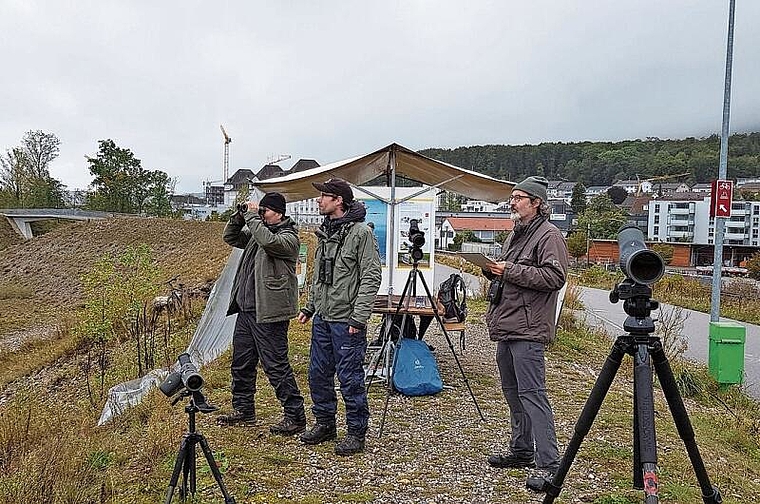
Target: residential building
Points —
{"points": [[484, 228], [685, 217], [478, 206], [594, 191]]}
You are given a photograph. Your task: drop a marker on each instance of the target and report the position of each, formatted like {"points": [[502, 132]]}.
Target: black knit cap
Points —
{"points": [[273, 201], [338, 187]]}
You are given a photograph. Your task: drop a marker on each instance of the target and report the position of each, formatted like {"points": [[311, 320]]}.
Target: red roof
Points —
{"points": [[481, 223]]}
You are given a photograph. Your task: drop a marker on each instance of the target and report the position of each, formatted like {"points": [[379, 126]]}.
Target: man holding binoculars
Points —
{"points": [[265, 298]]}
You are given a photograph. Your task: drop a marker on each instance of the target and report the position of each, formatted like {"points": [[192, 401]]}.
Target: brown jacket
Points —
{"points": [[536, 270]]}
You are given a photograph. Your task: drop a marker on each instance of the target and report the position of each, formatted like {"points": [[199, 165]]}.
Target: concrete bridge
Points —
{"points": [[21, 218]]}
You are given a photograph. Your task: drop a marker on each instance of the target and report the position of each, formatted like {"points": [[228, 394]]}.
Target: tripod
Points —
{"points": [[641, 345], [410, 289], [186, 457]]}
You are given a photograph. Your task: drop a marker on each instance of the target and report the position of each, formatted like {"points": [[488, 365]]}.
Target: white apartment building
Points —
{"points": [[305, 212], [688, 220], [479, 206]]}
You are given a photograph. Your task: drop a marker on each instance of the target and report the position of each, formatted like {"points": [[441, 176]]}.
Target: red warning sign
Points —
{"points": [[721, 197]]}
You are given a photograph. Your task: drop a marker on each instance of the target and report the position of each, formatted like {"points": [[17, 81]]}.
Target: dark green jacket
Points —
{"points": [[355, 278], [270, 253]]}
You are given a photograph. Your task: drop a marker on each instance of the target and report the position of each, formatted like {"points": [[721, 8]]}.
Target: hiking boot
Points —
{"points": [[350, 445], [540, 481], [288, 427], [510, 460], [237, 418], [319, 434]]}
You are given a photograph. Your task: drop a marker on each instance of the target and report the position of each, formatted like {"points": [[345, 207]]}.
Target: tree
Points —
{"points": [[40, 149], [753, 266], [464, 236], [578, 200], [25, 179], [665, 251], [576, 244], [501, 236], [617, 194], [602, 217], [122, 185]]}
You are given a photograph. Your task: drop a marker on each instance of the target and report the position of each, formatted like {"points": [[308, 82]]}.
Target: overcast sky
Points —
{"points": [[330, 80]]}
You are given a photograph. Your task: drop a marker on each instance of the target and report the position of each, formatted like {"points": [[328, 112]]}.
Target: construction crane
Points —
{"points": [[661, 177], [276, 159], [227, 141]]}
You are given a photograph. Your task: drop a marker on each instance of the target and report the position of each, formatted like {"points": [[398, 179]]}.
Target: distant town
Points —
{"points": [[666, 211]]}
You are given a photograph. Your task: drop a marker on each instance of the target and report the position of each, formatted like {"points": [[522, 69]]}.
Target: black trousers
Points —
{"points": [[266, 343]]}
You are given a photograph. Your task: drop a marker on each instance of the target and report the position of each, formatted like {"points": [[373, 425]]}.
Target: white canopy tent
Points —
{"points": [[391, 161]]}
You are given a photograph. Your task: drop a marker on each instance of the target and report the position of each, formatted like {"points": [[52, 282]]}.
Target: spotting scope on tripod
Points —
{"points": [[187, 382], [642, 268]]}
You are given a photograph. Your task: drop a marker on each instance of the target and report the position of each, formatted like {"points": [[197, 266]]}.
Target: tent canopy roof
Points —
{"points": [[409, 164]]}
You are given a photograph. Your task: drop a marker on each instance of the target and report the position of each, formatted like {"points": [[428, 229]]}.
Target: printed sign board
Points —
{"points": [[721, 198]]}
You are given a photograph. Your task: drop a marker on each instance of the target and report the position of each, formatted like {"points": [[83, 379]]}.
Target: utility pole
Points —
{"points": [[722, 170], [588, 243]]}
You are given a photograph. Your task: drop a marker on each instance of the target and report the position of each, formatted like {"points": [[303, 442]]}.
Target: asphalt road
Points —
{"points": [[599, 310]]}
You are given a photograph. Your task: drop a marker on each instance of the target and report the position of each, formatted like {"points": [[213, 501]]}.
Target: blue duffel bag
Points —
{"points": [[415, 372]]}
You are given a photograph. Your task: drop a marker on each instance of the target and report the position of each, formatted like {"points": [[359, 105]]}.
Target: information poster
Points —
{"points": [[397, 263]]}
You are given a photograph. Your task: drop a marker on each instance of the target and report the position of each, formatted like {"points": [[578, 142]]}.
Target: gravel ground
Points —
{"points": [[433, 449]]}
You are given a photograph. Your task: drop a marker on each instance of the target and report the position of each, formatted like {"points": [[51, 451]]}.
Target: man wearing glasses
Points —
{"points": [[265, 298], [346, 278], [525, 281]]}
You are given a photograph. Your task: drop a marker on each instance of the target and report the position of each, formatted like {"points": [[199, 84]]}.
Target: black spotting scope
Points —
{"points": [[187, 377], [640, 264]]}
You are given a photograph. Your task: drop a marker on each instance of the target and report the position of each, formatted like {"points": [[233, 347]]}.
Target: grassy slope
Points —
{"points": [[49, 444]]}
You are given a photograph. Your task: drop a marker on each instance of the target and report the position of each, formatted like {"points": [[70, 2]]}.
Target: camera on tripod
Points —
{"points": [[417, 240], [185, 382]]}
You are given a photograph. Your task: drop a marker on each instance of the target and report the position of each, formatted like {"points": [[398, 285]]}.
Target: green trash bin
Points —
{"points": [[726, 351]]}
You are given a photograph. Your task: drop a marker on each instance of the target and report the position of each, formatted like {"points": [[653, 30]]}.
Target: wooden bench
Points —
{"points": [[457, 327]]}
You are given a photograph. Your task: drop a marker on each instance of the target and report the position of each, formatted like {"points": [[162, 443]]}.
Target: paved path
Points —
{"points": [[696, 327], [442, 272]]}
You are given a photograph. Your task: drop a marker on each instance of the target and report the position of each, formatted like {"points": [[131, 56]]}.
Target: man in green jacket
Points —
{"points": [[346, 278], [265, 298]]}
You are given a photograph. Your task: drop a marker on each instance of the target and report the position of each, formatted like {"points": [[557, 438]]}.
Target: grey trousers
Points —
{"points": [[523, 381]]}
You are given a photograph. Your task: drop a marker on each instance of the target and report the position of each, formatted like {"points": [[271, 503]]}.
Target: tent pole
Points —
{"points": [[390, 253]]}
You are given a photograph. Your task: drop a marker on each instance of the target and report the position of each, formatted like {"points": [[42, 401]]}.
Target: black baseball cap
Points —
{"points": [[336, 186]]}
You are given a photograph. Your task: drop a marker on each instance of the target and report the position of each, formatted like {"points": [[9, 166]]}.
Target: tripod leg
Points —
{"points": [[645, 428], [385, 412], [451, 345], [638, 481], [192, 459], [387, 347], [228, 499], [710, 494], [588, 414], [178, 466]]}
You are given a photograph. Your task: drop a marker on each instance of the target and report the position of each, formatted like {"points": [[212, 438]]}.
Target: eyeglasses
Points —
{"points": [[518, 197], [327, 195]]}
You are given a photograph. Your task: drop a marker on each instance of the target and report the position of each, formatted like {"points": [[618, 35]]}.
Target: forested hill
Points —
{"points": [[602, 163]]}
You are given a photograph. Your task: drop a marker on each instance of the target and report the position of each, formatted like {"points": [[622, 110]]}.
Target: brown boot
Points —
{"points": [[237, 418]]}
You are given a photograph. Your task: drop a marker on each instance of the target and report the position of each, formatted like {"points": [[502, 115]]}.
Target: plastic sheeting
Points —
{"points": [[212, 338]]}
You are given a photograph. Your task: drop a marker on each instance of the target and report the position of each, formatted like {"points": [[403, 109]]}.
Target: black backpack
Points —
{"points": [[452, 295]]}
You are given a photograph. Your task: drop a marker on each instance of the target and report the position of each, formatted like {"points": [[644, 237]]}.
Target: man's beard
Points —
{"points": [[515, 216]]}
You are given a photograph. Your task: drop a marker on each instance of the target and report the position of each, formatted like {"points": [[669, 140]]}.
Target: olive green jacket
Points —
{"points": [[356, 276], [270, 253]]}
